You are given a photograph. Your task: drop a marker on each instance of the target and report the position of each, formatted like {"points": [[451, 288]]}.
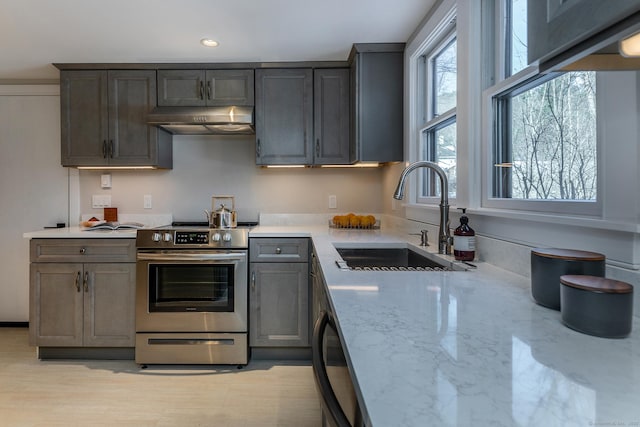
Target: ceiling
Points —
{"points": [[36, 33]]}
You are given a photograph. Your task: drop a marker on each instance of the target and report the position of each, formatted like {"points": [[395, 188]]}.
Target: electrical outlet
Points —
{"points": [[148, 201], [101, 201], [333, 202]]}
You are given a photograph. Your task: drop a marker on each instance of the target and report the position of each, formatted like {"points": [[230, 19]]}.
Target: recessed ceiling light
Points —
{"points": [[208, 43]]}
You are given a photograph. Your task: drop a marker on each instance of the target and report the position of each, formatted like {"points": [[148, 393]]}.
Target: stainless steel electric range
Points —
{"points": [[191, 295]]}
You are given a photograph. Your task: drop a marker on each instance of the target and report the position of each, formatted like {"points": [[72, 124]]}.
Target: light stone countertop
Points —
{"points": [[80, 233], [467, 348]]}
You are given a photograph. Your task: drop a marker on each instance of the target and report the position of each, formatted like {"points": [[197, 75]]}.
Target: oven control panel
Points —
{"points": [[237, 238], [192, 237]]}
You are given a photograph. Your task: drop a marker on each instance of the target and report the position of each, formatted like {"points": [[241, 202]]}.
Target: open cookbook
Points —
{"points": [[110, 225]]}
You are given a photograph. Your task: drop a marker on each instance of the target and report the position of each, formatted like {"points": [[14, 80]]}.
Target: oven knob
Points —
{"points": [[215, 237], [226, 237], [155, 237], [167, 237]]}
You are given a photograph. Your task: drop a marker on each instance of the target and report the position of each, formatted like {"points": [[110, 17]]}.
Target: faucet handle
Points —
{"points": [[424, 239]]}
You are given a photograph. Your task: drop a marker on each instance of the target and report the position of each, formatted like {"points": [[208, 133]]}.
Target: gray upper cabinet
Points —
{"points": [[103, 119], [284, 116], [377, 75], [199, 88], [302, 116], [331, 116], [558, 30]]}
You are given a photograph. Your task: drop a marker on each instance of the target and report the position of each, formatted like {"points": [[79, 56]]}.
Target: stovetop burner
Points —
{"points": [[205, 224]]}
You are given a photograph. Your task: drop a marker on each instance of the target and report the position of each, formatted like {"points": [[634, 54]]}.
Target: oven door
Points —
{"points": [[191, 291]]}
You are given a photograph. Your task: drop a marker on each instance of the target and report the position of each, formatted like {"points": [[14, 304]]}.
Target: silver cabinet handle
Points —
{"points": [[83, 250], [253, 280], [208, 90], [278, 251], [104, 148], [86, 281], [78, 282], [258, 148], [318, 147], [201, 91], [111, 148]]}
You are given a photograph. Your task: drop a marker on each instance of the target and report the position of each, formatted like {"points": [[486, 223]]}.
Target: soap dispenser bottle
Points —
{"points": [[464, 240]]}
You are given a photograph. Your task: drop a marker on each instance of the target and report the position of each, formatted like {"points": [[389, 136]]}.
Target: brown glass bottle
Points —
{"points": [[464, 240]]}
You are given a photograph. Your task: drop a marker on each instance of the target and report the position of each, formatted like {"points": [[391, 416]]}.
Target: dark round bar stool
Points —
{"points": [[548, 264], [596, 305]]}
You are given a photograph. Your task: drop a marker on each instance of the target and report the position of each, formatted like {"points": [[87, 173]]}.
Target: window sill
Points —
{"points": [[416, 212]]}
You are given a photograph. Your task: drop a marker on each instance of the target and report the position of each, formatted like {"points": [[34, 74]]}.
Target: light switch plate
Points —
{"points": [[148, 201], [105, 180], [333, 202]]}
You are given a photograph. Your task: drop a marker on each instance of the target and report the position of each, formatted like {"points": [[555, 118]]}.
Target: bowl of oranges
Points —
{"points": [[351, 220]]}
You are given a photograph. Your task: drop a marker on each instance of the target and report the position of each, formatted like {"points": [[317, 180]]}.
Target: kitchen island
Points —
{"points": [[467, 348]]}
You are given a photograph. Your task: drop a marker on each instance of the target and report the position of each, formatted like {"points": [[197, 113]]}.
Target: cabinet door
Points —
{"points": [[331, 116], [109, 305], [377, 86], [279, 303], [181, 88], [229, 87], [553, 26], [55, 305], [284, 116], [132, 95], [83, 116]]}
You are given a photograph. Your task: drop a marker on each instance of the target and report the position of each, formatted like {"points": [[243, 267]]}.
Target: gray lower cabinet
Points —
{"points": [[279, 292], [377, 75], [76, 301], [199, 88], [103, 119]]}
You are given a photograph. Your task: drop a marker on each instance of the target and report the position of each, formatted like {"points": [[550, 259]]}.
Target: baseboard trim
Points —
{"points": [[89, 353], [14, 324], [281, 353]]}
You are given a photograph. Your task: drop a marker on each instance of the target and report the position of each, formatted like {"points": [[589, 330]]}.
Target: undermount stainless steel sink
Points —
{"points": [[390, 259]]}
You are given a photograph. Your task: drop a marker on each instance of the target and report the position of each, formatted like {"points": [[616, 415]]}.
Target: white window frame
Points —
{"points": [[563, 207], [439, 37]]}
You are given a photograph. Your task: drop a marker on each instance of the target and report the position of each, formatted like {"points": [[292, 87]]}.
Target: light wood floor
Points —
{"points": [[119, 393]]}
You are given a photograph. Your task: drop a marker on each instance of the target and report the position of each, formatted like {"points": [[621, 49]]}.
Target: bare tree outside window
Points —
{"points": [[553, 140]]}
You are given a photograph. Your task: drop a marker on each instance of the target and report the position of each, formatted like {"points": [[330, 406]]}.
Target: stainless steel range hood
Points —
{"points": [[236, 120]]}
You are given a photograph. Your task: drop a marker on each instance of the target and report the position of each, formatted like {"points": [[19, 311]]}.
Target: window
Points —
{"points": [[547, 146], [516, 36], [544, 134], [438, 130]]}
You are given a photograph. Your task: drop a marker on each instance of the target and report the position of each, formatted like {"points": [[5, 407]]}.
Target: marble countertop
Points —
{"points": [[80, 233], [467, 348]]}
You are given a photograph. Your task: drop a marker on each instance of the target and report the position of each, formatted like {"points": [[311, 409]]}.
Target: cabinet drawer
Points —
{"points": [[279, 249], [83, 250]]}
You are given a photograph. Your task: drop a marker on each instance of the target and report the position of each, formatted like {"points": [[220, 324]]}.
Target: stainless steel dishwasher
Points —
{"points": [[337, 395]]}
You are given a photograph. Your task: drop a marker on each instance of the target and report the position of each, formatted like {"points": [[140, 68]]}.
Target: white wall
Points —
{"points": [[33, 185], [212, 165]]}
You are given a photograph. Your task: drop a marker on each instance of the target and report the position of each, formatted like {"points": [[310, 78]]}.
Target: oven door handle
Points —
{"points": [[191, 257]]}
